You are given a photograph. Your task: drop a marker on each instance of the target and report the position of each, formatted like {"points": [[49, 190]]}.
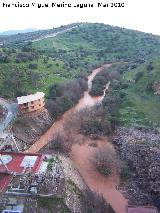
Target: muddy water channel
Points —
{"points": [[81, 154]]}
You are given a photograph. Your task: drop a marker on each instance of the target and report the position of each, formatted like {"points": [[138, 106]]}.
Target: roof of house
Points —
{"points": [[29, 98], [17, 162], [138, 209]]}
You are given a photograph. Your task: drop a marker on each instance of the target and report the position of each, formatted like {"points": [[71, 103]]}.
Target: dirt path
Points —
{"points": [[105, 186]]}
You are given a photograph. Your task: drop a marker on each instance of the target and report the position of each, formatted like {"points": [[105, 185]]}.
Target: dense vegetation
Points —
{"points": [[50, 204], [131, 99], [63, 96], [24, 71], [91, 45], [29, 67], [140, 106]]}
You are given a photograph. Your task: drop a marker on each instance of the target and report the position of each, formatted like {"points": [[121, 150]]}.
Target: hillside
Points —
{"points": [[133, 99], [25, 71], [94, 44], [20, 38], [13, 32], [51, 60], [114, 124]]}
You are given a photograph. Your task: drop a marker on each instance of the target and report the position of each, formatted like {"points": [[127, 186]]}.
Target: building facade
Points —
{"points": [[31, 103]]}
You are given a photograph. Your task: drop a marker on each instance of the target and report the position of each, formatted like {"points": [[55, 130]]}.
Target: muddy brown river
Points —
{"points": [[81, 154]]}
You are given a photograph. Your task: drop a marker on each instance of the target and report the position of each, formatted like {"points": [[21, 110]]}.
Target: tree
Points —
{"points": [[150, 67], [138, 76], [105, 160], [60, 144], [33, 66], [91, 202]]}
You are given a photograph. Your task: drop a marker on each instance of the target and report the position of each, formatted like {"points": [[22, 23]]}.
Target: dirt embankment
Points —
{"points": [[29, 128]]}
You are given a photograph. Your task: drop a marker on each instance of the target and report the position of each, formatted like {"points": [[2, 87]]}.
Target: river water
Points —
{"points": [[81, 154]]}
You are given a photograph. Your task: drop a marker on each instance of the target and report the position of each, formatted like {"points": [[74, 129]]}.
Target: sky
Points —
{"points": [[142, 15]]}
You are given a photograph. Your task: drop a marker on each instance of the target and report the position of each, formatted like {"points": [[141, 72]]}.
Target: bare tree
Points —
{"points": [[60, 143], [90, 122]]}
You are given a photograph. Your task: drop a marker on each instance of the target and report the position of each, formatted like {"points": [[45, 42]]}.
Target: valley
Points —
{"points": [[101, 115]]}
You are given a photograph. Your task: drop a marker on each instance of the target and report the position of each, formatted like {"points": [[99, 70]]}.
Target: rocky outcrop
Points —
{"points": [[29, 127], [141, 150]]}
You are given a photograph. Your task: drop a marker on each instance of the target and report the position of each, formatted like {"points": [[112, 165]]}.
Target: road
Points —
{"points": [[11, 113], [53, 34]]}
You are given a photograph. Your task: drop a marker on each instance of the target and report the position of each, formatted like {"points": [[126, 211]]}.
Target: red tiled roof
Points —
{"points": [[14, 166], [17, 158], [142, 210]]}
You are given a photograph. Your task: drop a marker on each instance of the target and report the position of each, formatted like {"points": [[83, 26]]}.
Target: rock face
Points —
{"points": [[156, 87], [28, 128], [141, 150]]}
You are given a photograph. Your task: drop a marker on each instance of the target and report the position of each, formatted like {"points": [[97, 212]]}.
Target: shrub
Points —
{"points": [[150, 67], [92, 202], [60, 144], [65, 96], [138, 76], [124, 174], [106, 161], [33, 66]]}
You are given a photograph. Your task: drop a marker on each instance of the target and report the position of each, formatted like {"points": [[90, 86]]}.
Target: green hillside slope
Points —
{"points": [[26, 71], [36, 66], [141, 106], [94, 44]]}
